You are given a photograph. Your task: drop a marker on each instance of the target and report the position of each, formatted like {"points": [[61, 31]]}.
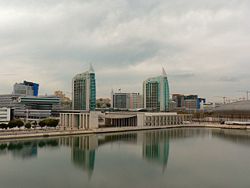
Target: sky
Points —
{"points": [[203, 45]]}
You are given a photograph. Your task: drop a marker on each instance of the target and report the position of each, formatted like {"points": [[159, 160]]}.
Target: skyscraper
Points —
{"points": [[84, 91], [156, 93]]}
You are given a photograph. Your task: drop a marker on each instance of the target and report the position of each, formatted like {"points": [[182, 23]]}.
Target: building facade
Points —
{"points": [[156, 93], [179, 99], [26, 88], [92, 120], [84, 91], [126, 101], [5, 115], [30, 107]]}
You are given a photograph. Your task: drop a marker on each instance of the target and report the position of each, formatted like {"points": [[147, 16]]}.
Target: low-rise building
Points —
{"points": [[93, 120], [5, 115]]}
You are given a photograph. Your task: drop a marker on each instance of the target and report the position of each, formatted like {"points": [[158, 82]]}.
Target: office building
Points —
{"points": [[9, 101], [179, 99], [187, 102], [40, 103], [30, 107], [26, 89], [156, 93], [126, 101], [84, 91], [5, 115]]}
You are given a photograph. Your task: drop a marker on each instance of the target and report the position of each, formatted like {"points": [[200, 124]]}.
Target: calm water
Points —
{"points": [[187, 158]]}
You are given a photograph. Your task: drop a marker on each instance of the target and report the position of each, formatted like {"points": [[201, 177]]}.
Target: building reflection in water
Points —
{"points": [[154, 144], [26, 149], [156, 147], [82, 151]]}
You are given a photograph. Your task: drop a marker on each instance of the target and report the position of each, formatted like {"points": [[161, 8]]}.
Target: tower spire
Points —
{"points": [[91, 69], [164, 72]]}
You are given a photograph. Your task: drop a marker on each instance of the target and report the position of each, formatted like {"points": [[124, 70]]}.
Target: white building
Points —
{"points": [[93, 120], [5, 115]]}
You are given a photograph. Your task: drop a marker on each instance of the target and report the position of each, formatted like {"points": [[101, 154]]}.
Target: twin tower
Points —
{"points": [[155, 92]]}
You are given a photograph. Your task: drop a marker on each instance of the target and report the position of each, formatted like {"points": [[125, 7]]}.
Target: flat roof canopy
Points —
{"points": [[119, 116]]}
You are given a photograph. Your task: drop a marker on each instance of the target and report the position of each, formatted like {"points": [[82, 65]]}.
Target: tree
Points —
{"points": [[42, 123], [3, 126], [52, 122], [12, 124], [15, 123], [49, 122], [28, 125], [19, 123]]}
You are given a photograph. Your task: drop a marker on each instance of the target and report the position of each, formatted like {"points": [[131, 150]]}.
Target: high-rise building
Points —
{"points": [[156, 93], [126, 100], [26, 88], [84, 91]]}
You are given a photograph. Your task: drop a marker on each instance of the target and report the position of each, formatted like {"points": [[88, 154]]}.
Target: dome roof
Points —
{"points": [[236, 107]]}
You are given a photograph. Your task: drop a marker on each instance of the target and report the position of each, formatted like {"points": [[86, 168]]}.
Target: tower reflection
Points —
{"points": [[156, 147]]}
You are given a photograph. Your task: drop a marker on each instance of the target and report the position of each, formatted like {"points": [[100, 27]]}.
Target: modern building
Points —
{"points": [[26, 89], [126, 101], [9, 101], [84, 91], [30, 107], [179, 99], [93, 120], [40, 103], [79, 120], [187, 102], [5, 115], [156, 93]]}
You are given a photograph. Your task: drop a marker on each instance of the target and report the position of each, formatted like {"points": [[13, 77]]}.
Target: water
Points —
{"points": [[152, 159]]}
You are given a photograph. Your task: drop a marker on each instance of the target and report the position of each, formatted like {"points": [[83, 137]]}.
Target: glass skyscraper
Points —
{"points": [[84, 91], [156, 93]]}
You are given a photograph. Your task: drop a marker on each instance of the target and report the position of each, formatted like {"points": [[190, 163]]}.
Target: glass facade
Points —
{"points": [[84, 91], [156, 93]]}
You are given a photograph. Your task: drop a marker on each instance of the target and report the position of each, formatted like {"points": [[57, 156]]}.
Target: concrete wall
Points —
{"points": [[5, 115], [79, 120]]}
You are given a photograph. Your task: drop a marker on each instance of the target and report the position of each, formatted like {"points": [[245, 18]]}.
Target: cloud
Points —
{"points": [[202, 44]]}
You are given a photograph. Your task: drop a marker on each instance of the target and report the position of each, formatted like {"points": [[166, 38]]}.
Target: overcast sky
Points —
{"points": [[204, 45]]}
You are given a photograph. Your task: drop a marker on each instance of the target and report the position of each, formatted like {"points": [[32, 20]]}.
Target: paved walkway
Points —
{"points": [[20, 134]]}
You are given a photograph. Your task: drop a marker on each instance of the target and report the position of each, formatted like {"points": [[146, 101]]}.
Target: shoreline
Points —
{"points": [[21, 134]]}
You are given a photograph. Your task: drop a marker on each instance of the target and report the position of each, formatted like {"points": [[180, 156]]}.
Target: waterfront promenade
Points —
{"points": [[21, 134]]}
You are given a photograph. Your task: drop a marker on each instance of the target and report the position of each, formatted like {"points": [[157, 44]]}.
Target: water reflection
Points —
{"points": [[154, 145], [156, 148], [236, 136], [26, 149]]}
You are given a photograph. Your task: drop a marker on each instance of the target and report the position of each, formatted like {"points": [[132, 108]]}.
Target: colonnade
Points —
{"points": [[75, 120]]}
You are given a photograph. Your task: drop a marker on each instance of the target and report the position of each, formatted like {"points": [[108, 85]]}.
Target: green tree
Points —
{"points": [[28, 125], [42, 123], [52, 122], [3, 126], [12, 124], [15, 123], [19, 123]]}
